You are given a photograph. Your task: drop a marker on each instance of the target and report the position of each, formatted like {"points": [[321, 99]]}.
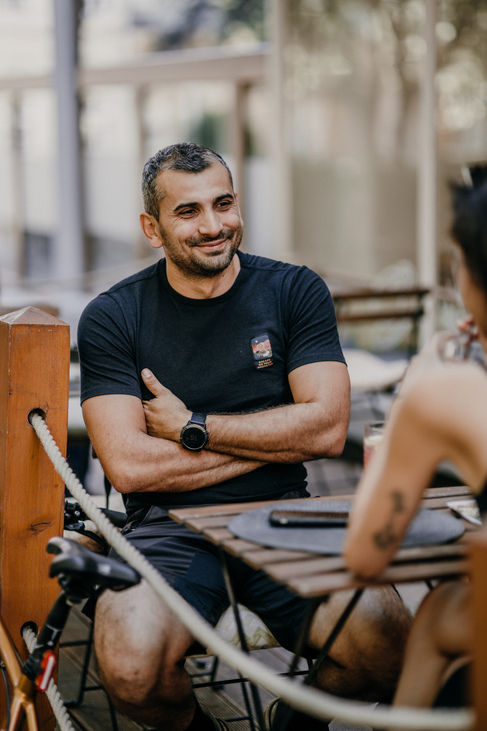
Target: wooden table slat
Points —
{"points": [[449, 492], [182, 515], [308, 566], [283, 571], [263, 558], [218, 535], [239, 546], [313, 586], [266, 556], [426, 553], [212, 521], [433, 503]]}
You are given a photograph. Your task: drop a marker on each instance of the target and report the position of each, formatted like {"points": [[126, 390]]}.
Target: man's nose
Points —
{"points": [[209, 223]]}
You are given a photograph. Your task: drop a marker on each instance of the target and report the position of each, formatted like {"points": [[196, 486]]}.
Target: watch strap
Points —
{"points": [[197, 418]]}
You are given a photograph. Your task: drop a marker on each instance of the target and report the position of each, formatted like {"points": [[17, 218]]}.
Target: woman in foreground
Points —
{"points": [[439, 414]]}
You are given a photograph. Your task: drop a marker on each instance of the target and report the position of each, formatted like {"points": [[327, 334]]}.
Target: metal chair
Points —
{"points": [[256, 634]]}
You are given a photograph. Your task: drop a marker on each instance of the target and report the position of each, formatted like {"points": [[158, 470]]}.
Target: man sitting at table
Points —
{"points": [[210, 377]]}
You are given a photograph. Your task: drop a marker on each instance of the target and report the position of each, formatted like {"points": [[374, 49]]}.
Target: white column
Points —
{"points": [[237, 142], [427, 175], [142, 248], [283, 245], [17, 183], [69, 238]]}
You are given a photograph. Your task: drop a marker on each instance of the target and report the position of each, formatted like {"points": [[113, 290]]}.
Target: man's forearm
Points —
{"points": [[158, 465], [288, 434], [133, 461]]}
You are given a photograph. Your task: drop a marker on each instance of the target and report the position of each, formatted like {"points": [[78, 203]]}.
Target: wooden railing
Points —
{"points": [[34, 374], [361, 305]]}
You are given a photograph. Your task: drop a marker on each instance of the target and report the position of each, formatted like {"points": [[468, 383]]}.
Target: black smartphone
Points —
{"points": [[281, 518]]}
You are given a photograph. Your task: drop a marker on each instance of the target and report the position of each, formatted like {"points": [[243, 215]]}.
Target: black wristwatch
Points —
{"points": [[194, 435]]}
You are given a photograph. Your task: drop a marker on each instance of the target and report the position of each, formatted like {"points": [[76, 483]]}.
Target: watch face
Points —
{"points": [[194, 438]]}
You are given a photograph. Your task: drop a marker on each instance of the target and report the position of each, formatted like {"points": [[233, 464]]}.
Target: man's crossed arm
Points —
{"points": [[138, 443]]}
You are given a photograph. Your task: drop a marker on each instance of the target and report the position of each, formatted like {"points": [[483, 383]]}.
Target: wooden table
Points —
{"points": [[310, 575], [314, 577]]}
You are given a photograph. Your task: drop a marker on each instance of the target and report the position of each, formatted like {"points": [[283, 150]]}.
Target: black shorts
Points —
{"points": [[190, 564]]}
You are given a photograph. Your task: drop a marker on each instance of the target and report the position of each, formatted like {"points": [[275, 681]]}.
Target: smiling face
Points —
{"points": [[199, 224]]}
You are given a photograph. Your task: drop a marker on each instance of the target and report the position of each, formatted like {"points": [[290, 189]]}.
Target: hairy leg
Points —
{"points": [[439, 637], [139, 646], [366, 658]]}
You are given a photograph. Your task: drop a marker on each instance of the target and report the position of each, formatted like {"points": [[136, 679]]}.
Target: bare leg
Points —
{"points": [[139, 645], [366, 659], [439, 636]]}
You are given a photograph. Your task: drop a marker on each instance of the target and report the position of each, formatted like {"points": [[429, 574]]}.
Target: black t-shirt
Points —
{"points": [[227, 354]]}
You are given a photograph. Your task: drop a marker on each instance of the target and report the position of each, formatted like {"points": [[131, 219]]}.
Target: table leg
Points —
{"points": [[332, 637], [313, 605], [253, 689], [285, 712]]}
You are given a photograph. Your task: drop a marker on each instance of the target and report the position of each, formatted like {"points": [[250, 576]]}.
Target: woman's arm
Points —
{"points": [[440, 416]]}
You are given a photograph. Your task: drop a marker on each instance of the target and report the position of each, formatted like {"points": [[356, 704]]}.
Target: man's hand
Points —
{"points": [[165, 415]]}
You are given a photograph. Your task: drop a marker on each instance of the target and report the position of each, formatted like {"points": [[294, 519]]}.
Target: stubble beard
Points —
{"points": [[205, 265]]}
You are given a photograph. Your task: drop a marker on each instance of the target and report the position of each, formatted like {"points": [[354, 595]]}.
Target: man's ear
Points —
{"points": [[238, 205], [151, 230]]}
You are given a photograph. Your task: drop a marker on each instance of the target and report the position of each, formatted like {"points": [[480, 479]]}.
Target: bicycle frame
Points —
{"points": [[77, 570], [23, 690]]}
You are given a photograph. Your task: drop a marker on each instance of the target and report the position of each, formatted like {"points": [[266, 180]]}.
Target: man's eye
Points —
{"points": [[223, 205], [187, 212]]}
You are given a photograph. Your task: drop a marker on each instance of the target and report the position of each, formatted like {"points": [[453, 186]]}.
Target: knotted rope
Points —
{"points": [[303, 698]]}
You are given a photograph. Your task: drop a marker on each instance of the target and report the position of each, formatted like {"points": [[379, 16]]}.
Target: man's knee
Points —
{"points": [[366, 659], [378, 636], [380, 616], [139, 647]]}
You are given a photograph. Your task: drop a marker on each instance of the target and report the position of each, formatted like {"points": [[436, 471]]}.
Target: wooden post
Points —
{"points": [[478, 553], [34, 374]]}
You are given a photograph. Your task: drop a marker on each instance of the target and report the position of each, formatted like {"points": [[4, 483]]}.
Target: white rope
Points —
{"points": [[302, 697], [52, 692]]}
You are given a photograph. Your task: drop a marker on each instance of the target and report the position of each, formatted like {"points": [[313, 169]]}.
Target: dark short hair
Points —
{"points": [[188, 157], [469, 227]]}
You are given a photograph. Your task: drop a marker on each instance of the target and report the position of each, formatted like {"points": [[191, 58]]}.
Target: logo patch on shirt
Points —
{"points": [[262, 351]]}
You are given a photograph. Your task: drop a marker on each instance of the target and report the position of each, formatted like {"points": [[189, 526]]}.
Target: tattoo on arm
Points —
{"points": [[385, 537]]}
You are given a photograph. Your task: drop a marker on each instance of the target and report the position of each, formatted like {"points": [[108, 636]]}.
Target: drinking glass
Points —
{"points": [[373, 433], [456, 346]]}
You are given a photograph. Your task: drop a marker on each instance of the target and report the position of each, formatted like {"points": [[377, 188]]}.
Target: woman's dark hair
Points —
{"points": [[469, 227], [188, 157]]}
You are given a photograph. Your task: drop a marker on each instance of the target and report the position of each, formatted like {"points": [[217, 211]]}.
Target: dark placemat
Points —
{"points": [[429, 527]]}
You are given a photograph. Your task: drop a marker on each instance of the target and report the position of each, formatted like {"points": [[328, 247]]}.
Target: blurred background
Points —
{"points": [[343, 121]]}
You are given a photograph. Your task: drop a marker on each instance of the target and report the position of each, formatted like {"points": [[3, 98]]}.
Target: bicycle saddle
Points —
{"points": [[78, 562]]}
